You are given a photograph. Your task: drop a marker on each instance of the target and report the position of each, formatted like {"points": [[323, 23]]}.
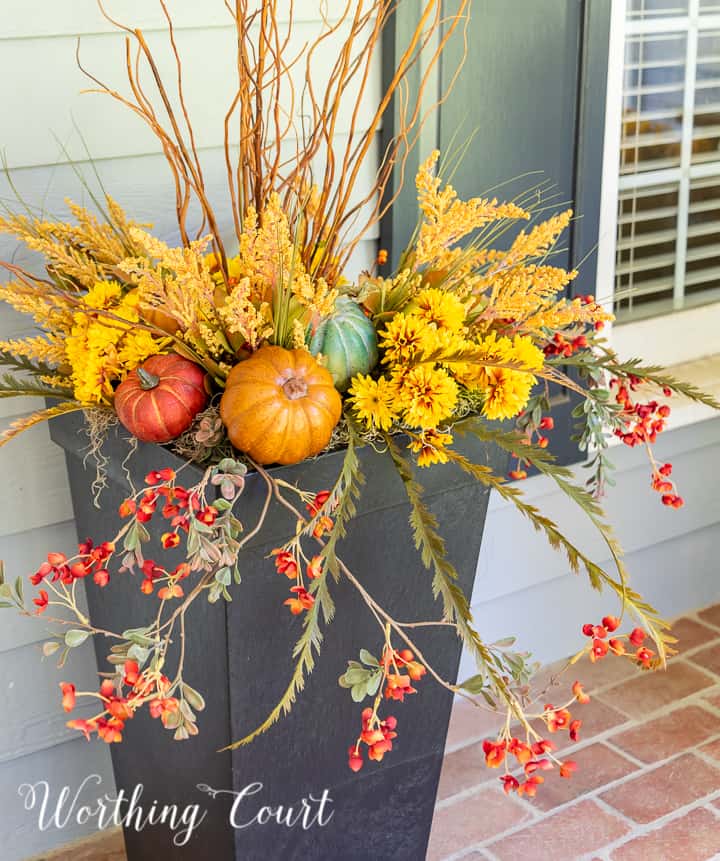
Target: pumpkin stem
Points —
{"points": [[295, 388], [147, 380]]}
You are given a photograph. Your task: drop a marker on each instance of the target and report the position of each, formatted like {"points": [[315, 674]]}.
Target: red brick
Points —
{"points": [[469, 723], [690, 634], [648, 691], [463, 769], [713, 698], [665, 736], [596, 717], [708, 658], [574, 831], [473, 820], [611, 670], [712, 749], [711, 615], [597, 766], [694, 837], [664, 789]]}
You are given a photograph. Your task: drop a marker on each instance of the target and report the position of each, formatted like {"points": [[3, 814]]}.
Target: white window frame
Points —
{"points": [[682, 335]]}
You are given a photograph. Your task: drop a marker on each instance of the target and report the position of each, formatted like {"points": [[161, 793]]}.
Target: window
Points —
{"points": [[662, 169]]}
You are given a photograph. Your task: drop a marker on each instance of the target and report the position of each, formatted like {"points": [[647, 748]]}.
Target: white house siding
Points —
{"points": [[41, 104]]}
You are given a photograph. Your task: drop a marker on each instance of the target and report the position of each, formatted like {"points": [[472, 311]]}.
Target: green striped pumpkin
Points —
{"points": [[348, 342]]}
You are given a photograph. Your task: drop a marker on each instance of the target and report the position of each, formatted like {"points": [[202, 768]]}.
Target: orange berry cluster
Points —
{"points": [[532, 759], [602, 644], [288, 561], [89, 560], [377, 735], [407, 671], [119, 707]]}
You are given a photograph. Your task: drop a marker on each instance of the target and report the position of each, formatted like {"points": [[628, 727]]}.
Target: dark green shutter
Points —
{"points": [[533, 88]]}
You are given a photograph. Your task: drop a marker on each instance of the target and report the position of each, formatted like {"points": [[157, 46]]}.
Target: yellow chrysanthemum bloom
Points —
{"points": [[427, 395], [443, 309], [405, 338], [373, 401], [506, 392], [430, 447], [102, 350]]}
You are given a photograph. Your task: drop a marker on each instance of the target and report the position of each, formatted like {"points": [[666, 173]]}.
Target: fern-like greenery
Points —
{"points": [[12, 386], [22, 424], [513, 441], [608, 361], [456, 607]]}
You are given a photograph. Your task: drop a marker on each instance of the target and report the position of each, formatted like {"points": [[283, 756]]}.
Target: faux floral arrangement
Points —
{"points": [[257, 351]]}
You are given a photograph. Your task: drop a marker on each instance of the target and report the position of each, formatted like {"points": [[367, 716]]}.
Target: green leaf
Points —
{"points": [[131, 541], [505, 643], [358, 692], [193, 697], [5, 604], [19, 590], [374, 683], [2, 572], [6, 590], [355, 677], [368, 658], [62, 660], [487, 696], [223, 576], [50, 647], [475, 684], [138, 653], [138, 636], [75, 637]]}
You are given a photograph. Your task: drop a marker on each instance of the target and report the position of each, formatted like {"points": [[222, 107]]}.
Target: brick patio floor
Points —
{"points": [[648, 784]]}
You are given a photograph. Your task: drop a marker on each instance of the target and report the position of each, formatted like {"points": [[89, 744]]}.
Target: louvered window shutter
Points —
{"points": [[668, 226]]}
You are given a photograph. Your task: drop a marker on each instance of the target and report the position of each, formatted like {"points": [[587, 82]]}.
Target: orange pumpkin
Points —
{"points": [[280, 406], [159, 400]]}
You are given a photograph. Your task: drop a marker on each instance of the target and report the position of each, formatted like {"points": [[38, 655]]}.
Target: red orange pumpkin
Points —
{"points": [[280, 406], [159, 400]]}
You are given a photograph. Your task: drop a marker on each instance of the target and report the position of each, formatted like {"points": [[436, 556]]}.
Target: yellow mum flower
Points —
{"points": [[100, 350], [520, 350], [506, 392], [426, 394], [406, 338], [373, 401], [443, 309], [103, 295], [525, 351], [430, 447]]}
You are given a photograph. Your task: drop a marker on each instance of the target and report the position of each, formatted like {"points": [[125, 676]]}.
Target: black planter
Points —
{"points": [[239, 657]]}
